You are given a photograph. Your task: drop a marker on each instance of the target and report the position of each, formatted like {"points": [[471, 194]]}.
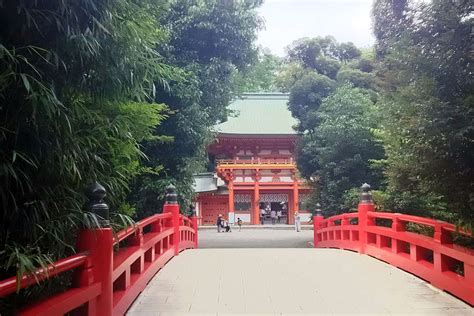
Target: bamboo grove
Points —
{"points": [[121, 92]]}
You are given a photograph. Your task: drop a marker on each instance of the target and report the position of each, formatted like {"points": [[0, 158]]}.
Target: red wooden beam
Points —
{"points": [[10, 285]]}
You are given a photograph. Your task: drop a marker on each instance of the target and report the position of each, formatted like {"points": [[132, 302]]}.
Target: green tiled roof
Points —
{"points": [[259, 113]]}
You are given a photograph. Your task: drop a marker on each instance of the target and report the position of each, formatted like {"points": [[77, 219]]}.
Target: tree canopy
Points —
{"points": [[425, 69], [332, 96], [408, 105]]}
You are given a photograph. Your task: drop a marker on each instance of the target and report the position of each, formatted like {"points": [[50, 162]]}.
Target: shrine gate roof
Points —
{"points": [[207, 182], [259, 114]]}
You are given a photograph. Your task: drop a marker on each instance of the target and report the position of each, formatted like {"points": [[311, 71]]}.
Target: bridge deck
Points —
{"points": [[288, 281]]}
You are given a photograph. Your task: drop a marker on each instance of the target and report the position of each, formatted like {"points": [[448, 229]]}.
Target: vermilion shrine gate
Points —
{"points": [[255, 167]]}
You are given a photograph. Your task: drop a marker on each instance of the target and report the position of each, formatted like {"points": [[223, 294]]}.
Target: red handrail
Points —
{"points": [[107, 281], [124, 233], [433, 258], [10, 285], [419, 220]]}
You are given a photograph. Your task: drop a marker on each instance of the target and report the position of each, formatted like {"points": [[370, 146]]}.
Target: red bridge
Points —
{"points": [[110, 271], [106, 282]]}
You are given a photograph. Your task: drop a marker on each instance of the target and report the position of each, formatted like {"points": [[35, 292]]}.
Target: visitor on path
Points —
{"points": [[226, 226], [279, 215], [219, 223], [262, 216], [297, 221], [239, 222], [273, 215]]}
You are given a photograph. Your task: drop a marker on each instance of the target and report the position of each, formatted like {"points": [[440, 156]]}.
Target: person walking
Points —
{"points": [[262, 216], [239, 222], [219, 223], [279, 215], [273, 216], [297, 221]]}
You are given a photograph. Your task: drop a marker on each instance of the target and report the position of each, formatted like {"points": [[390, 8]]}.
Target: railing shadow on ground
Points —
{"points": [[382, 235], [107, 275]]}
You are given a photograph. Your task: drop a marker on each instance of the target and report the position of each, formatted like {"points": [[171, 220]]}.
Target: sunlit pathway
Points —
{"points": [[288, 281], [279, 237]]}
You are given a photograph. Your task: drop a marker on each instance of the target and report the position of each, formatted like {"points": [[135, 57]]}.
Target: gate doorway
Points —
{"points": [[280, 209]]}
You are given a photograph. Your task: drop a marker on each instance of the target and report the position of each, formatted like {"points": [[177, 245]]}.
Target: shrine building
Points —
{"points": [[253, 165]]}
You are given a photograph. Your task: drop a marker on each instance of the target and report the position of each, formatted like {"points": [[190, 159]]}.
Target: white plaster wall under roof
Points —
{"points": [[208, 182]]}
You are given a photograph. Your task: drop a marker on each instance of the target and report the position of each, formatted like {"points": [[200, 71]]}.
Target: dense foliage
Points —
{"points": [[424, 52], [262, 76], [405, 122], [211, 41], [331, 95], [72, 80], [336, 156], [83, 88]]}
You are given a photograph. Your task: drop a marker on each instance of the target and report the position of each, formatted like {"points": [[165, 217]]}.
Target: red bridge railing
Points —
{"points": [[386, 236], [107, 281]]}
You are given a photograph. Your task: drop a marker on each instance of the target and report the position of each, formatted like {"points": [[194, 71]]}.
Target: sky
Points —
{"points": [[288, 20]]}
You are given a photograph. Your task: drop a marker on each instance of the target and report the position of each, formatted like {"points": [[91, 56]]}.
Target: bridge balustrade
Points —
{"points": [[390, 237], [256, 161], [107, 281]]}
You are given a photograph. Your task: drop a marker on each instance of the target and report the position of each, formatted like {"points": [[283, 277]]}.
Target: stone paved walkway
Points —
{"points": [[288, 281], [255, 238]]}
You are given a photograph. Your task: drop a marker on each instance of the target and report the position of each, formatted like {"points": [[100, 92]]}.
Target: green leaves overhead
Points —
{"points": [[426, 67], [262, 76], [306, 96], [337, 154], [211, 41], [331, 95]]}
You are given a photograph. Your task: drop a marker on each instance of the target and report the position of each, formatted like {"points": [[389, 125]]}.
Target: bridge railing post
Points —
{"points": [[398, 227], [366, 204], [317, 219], [172, 206], [98, 241], [194, 221], [442, 237]]}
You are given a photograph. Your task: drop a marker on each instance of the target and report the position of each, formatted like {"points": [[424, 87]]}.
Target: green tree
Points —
{"points": [[332, 91], [425, 69], [210, 41], [313, 66], [75, 81], [356, 77], [306, 96], [308, 50], [327, 66], [337, 155], [262, 76], [347, 51], [288, 75]]}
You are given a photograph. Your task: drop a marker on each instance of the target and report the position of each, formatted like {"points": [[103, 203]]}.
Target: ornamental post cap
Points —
{"points": [[95, 192], [96, 204], [170, 188], [365, 195], [318, 211], [171, 196]]}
